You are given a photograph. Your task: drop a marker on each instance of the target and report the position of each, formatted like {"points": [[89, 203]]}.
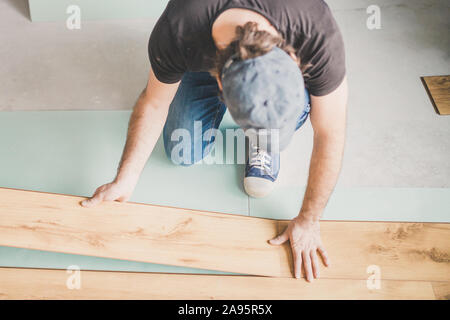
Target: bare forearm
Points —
{"points": [[325, 166], [144, 128], [328, 119]]}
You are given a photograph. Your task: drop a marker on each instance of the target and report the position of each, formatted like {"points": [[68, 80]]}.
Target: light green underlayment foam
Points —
{"points": [[73, 152]]}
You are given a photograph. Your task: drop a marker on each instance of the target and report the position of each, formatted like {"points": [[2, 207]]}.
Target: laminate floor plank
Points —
{"points": [[52, 284], [441, 290], [214, 241]]}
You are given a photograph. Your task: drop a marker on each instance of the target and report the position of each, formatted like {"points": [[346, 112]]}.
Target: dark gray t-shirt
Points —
{"points": [[181, 39]]}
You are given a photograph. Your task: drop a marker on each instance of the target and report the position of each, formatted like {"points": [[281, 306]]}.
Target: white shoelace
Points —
{"points": [[260, 159]]}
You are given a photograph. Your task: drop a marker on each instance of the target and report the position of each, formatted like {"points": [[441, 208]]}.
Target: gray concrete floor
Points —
{"points": [[395, 138]]}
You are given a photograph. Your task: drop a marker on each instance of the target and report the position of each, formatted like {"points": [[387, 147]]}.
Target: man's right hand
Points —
{"points": [[114, 191], [145, 126]]}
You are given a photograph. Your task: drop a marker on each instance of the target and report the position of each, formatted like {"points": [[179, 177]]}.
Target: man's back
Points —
{"points": [[181, 40]]}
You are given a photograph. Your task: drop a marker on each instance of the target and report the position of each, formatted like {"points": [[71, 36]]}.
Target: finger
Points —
{"points": [[282, 238], [307, 266], [315, 264], [324, 254], [95, 200], [86, 202], [297, 256], [123, 199], [99, 189]]}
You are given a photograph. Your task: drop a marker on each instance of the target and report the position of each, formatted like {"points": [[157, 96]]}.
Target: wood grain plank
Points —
{"points": [[51, 284], [402, 251], [232, 243], [441, 290], [438, 89]]}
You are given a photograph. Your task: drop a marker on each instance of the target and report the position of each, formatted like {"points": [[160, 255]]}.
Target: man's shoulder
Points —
{"points": [[185, 8]]}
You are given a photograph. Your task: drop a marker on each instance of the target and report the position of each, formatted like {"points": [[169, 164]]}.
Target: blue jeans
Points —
{"points": [[197, 99]]}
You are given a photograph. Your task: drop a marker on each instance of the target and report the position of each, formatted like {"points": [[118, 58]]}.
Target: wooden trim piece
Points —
{"points": [[438, 89], [52, 284], [232, 243]]}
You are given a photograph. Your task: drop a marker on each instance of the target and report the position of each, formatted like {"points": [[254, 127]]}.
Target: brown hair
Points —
{"points": [[249, 43]]}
